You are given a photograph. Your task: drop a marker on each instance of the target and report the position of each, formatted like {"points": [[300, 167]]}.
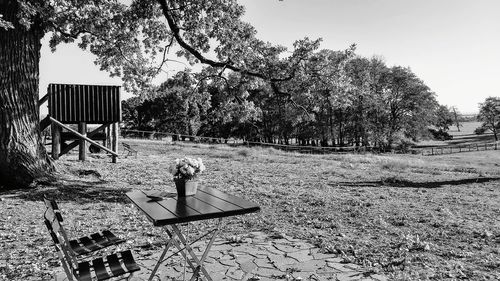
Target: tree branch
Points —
{"points": [[174, 27]]}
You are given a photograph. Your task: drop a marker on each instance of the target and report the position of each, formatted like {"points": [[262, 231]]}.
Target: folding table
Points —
{"points": [[208, 203]]}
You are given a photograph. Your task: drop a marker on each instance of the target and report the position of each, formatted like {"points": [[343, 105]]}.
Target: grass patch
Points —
{"points": [[245, 152], [394, 165]]}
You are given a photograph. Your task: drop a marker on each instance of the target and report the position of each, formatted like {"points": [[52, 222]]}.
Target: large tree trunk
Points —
{"points": [[22, 156]]}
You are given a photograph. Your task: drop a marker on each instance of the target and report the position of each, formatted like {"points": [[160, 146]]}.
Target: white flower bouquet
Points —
{"points": [[186, 168]]}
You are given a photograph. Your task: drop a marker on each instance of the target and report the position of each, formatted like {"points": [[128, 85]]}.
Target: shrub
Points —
{"points": [[405, 145], [479, 130], [440, 135]]}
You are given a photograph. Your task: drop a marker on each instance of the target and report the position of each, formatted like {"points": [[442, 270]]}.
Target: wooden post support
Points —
{"points": [[82, 152], [114, 140], [79, 135], [109, 136], [76, 142], [56, 140], [106, 136]]}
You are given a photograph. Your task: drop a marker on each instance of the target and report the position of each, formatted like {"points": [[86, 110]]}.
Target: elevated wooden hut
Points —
{"points": [[82, 105]]}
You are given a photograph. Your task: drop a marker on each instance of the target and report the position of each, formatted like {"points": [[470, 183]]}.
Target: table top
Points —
{"points": [[207, 203]]}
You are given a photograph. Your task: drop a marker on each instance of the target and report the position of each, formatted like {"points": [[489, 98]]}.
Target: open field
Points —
{"points": [[410, 217], [465, 137]]}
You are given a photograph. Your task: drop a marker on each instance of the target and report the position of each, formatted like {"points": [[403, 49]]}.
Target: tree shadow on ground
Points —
{"points": [[73, 190], [398, 182]]}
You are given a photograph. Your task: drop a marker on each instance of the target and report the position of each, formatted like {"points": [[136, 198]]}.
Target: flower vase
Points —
{"points": [[186, 187]]}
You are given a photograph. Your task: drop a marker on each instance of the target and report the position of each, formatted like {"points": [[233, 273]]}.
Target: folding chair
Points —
{"points": [[86, 244], [100, 268], [129, 150]]}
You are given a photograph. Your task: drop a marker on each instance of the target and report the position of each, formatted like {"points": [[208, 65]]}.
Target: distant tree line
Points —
{"points": [[327, 98]]}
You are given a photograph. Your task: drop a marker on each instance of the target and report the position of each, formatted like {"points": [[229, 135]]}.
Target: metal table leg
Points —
{"points": [[199, 267], [178, 240], [160, 260]]}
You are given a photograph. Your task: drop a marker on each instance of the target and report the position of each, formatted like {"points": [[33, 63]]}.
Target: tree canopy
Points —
{"points": [[335, 98], [248, 85], [489, 115]]}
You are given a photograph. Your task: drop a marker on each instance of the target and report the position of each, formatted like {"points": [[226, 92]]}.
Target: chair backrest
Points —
{"points": [[53, 220]]}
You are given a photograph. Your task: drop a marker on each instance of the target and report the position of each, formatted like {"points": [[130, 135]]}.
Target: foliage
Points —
{"points": [[445, 118], [489, 114], [440, 134], [335, 98], [250, 88], [480, 130]]}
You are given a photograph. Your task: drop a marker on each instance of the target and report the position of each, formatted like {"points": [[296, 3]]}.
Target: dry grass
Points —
{"points": [[466, 136], [411, 217]]}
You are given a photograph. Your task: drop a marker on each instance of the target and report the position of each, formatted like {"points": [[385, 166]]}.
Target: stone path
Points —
{"points": [[258, 257]]}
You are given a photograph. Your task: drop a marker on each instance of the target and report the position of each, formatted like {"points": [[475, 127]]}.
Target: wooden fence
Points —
{"points": [[440, 150], [125, 133], [437, 150]]}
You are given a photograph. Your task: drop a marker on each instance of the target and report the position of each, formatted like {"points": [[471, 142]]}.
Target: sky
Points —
{"points": [[452, 45]]}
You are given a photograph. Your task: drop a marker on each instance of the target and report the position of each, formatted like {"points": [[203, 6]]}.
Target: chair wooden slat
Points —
{"points": [[77, 248], [83, 271], [100, 269], [89, 244], [99, 239], [114, 265], [111, 237], [129, 261]]}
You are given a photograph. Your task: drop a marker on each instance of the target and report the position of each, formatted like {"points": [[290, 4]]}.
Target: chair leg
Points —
{"points": [[130, 276]]}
